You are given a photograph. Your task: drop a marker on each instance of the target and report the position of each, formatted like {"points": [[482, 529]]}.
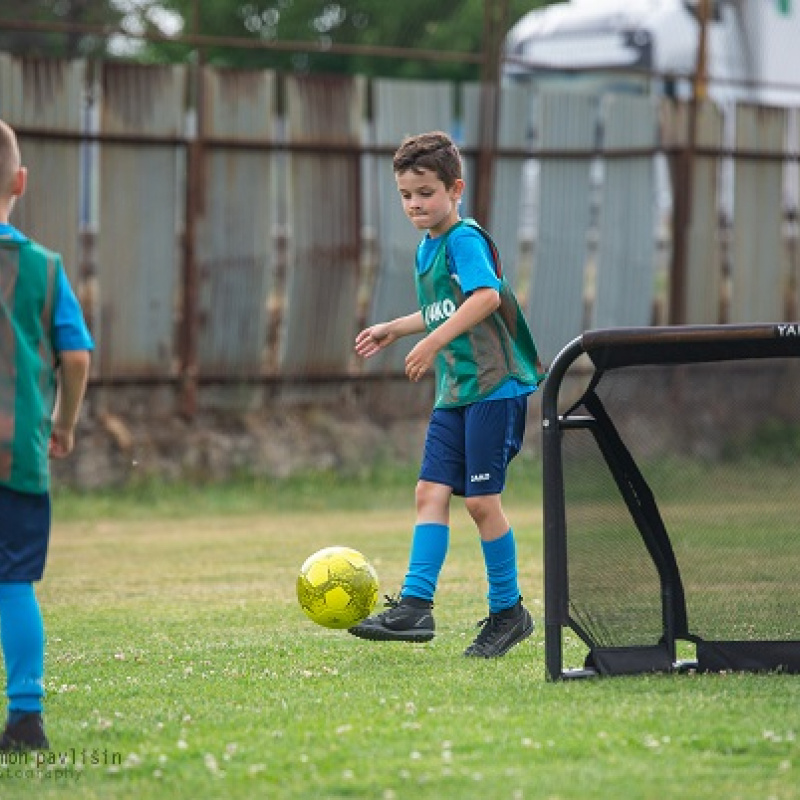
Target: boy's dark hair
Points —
{"points": [[434, 151]]}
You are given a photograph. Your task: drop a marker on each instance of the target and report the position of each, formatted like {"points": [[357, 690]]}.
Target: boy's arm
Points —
{"points": [[376, 337], [73, 374], [475, 308]]}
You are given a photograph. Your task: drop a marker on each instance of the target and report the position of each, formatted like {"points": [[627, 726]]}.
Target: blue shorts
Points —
{"points": [[24, 535], [469, 448]]}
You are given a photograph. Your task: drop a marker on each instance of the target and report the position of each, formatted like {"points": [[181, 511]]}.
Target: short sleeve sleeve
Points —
{"points": [[69, 326], [472, 260]]}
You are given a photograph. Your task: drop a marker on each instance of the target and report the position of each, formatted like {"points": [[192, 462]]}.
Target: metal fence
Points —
{"points": [[227, 226]]}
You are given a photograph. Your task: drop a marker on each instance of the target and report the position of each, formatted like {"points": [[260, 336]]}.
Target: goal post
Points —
{"points": [[671, 464]]}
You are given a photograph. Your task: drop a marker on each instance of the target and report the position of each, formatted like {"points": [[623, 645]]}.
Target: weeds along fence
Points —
{"points": [[233, 227]]}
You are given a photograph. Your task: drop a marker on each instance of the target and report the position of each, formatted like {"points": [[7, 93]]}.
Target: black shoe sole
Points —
{"points": [[527, 631], [388, 635], [15, 746]]}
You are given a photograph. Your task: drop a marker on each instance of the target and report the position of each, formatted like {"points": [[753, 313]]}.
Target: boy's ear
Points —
{"points": [[457, 189], [20, 182]]}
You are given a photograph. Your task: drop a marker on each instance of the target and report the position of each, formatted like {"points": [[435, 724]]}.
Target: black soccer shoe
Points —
{"points": [[501, 631], [409, 619], [27, 733]]}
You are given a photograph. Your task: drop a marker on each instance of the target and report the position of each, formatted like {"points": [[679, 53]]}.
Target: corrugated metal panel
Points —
{"points": [[239, 104], [566, 122], [141, 206], [10, 89], [401, 109], [704, 274], [513, 134], [324, 209], [704, 271], [235, 252], [759, 260], [52, 93], [626, 255], [407, 108]]}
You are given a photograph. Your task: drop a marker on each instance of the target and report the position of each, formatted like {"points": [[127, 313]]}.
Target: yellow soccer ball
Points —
{"points": [[337, 587]]}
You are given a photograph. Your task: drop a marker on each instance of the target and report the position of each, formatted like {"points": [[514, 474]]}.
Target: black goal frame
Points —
{"points": [[610, 349]]}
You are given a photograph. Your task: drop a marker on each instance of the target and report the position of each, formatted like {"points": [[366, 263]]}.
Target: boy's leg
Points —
{"points": [[509, 622], [22, 640], [410, 618], [24, 534], [428, 551], [494, 436], [500, 557]]}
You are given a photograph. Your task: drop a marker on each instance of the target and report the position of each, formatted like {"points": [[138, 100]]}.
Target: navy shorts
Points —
{"points": [[469, 448], [24, 535]]}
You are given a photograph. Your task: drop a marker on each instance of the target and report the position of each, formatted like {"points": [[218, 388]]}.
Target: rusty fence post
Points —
{"points": [[495, 22]]}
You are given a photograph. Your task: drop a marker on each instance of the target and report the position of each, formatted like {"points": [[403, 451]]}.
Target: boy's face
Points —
{"points": [[428, 203]]}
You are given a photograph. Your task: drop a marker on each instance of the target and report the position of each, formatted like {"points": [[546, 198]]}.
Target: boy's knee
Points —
{"points": [[432, 497], [482, 507]]}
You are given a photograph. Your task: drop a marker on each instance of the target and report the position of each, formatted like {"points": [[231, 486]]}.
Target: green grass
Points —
{"points": [[176, 648], [379, 488]]}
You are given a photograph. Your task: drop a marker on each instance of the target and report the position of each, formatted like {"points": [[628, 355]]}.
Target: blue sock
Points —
{"points": [[22, 641], [500, 556], [428, 551]]}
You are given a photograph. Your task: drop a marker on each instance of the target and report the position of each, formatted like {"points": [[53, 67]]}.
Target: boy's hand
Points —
{"points": [[420, 359], [373, 339], [61, 442]]}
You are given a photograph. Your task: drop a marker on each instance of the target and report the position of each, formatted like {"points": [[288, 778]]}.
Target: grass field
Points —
{"points": [[179, 665]]}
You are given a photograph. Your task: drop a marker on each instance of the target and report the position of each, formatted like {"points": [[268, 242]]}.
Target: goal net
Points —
{"points": [[671, 464]]}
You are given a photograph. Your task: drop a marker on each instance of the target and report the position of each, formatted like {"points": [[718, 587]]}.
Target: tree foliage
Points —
{"points": [[57, 43], [454, 26], [287, 35]]}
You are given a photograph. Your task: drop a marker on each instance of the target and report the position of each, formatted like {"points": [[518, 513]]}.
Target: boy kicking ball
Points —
{"points": [[486, 365]]}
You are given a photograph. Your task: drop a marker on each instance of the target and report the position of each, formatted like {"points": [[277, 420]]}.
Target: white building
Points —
{"points": [[753, 47]]}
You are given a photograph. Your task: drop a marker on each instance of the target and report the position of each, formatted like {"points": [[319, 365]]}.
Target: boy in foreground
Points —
{"points": [[44, 365], [486, 365]]}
